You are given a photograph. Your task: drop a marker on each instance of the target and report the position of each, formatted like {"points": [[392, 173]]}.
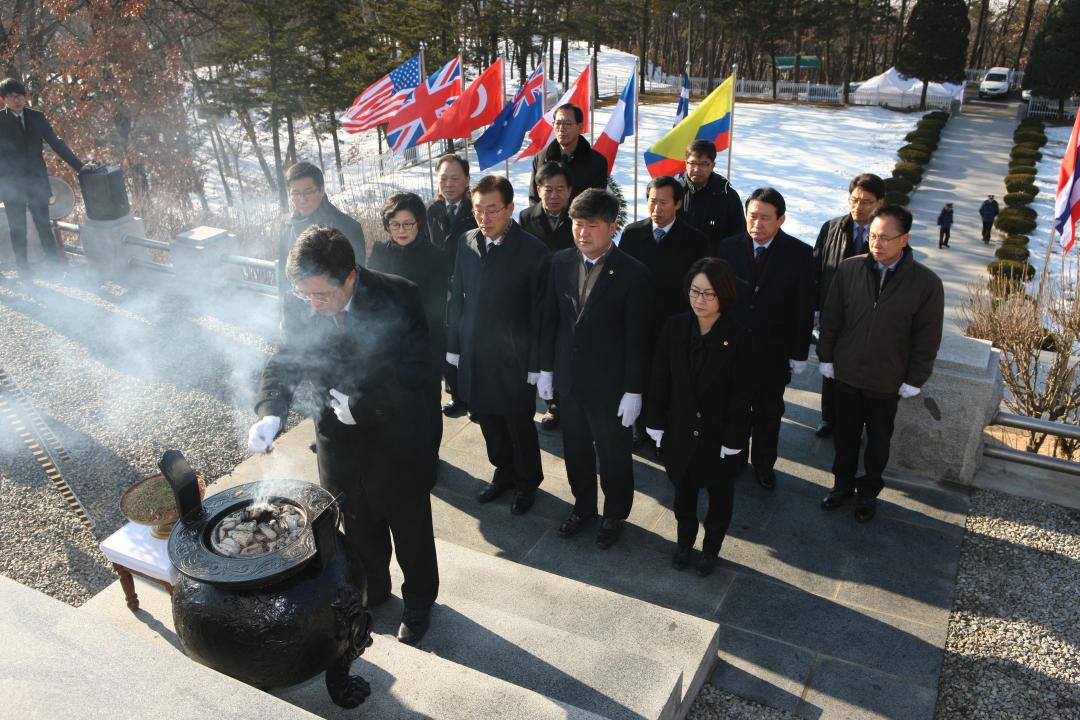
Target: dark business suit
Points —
{"points": [[668, 260], [494, 320], [699, 397], [385, 463], [777, 304], [598, 353], [24, 179], [445, 233], [535, 221]]}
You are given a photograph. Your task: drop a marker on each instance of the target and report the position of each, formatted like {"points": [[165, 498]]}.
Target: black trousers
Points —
{"points": [[988, 225], [16, 204], [450, 377], [828, 404], [856, 409], [943, 235], [766, 410], [721, 488], [373, 529], [513, 447], [593, 432]]}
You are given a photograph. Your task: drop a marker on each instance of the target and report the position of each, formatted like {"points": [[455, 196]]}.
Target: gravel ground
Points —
{"points": [[713, 703]]}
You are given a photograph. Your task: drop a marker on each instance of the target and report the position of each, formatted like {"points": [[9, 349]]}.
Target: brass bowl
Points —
{"points": [[151, 502]]}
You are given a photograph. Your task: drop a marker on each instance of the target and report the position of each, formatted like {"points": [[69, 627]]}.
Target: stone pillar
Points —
{"points": [[103, 243], [197, 256]]}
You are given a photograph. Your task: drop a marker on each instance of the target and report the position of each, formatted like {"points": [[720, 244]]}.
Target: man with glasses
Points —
{"points": [[841, 238], [587, 167], [710, 204], [880, 333], [362, 344], [493, 338], [310, 206]]}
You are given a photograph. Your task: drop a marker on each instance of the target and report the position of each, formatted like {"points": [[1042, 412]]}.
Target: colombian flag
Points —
{"points": [[711, 120]]}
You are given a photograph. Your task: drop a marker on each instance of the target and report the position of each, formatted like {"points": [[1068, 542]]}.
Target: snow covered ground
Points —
{"points": [[1063, 265]]}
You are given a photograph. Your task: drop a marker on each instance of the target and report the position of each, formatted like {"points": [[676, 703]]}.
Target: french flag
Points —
{"points": [[621, 124], [1067, 200]]}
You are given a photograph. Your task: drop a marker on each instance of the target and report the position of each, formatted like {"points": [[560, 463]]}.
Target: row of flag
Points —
{"points": [[417, 110]]}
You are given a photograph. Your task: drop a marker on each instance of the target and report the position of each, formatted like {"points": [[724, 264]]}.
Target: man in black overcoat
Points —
{"points": [[24, 179], [588, 168], [710, 204], [777, 306], [363, 346], [493, 337], [596, 336]]}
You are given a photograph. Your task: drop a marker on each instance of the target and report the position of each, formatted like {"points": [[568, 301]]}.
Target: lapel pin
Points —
{"points": [[725, 343], [610, 272]]}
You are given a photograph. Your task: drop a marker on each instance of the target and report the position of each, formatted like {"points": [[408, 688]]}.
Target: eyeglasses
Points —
{"points": [[874, 237], [395, 226], [706, 295], [698, 163], [861, 202], [565, 123], [297, 194], [487, 212], [319, 298]]}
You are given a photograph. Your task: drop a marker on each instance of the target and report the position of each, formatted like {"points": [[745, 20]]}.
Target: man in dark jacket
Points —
{"points": [[839, 239], [363, 346], [988, 211], [596, 339], [945, 221], [710, 204], [588, 168], [493, 338], [307, 195], [777, 306], [24, 180], [880, 333], [449, 216]]}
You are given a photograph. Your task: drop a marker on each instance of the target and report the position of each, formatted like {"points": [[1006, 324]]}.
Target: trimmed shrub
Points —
{"points": [[1020, 169], [1019, 253], [899, 184], [936, 115], [1011, 269], [1021, 240], [1030, 137], [930, 123], [1018, 199], [896, 198], [911, 154], [1032, 123], [1021, 183], [911, 171], [1028, 154], [1010, 221], [920, 138]]}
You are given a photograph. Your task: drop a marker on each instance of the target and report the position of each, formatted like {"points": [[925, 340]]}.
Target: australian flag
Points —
{"points": [[684, 101], [503, 139]]}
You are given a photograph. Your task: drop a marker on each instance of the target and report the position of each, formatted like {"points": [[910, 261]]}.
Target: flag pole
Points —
{"points": [[1046, 265], [431, 169], [731, 126], [594, 95], [506, 161], [461, 62], [637, 106]]}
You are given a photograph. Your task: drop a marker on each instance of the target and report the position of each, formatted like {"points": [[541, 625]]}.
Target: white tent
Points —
{"points": [[892, 88]]}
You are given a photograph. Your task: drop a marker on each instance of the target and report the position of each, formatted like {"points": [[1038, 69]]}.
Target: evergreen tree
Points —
{"points": [[1053, 70], [935, 41]]}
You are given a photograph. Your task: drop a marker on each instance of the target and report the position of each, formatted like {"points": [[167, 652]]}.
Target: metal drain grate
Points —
{"points": [[40, 440]]}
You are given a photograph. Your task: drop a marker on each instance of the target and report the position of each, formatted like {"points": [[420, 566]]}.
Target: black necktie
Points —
{"points": [[452, 212], [22, 123], [759, 251]]}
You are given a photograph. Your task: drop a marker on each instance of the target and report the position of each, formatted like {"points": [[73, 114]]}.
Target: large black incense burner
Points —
{"points": [[265, 594]]}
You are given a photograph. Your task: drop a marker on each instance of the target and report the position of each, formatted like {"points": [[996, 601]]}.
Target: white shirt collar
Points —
{"points": [[765, 245], [666, 228]]}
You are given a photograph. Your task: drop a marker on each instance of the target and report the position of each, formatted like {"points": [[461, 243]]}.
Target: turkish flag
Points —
{"points": [[478, 106], [543, 132]]}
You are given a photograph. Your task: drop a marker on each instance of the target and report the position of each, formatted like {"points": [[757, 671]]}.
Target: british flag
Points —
{"points": [[383, 98], [424, 105], [500, 141]]}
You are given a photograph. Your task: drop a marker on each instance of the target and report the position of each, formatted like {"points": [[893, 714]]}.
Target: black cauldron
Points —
{"points": [[278, 618]]}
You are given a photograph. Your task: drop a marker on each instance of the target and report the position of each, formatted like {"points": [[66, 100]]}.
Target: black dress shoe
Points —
{"points": [[454, 408], [706, 565], [824, 430], [414, 624], [491, 492], [681, 558], [835, 499], [865, 509], [765, 477], [550, 421], [609, 533], [522, 502], [572, 524]]}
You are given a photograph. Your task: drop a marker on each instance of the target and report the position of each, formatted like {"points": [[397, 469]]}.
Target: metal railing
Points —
{"points": [[1047, 108], [1049, 427]]}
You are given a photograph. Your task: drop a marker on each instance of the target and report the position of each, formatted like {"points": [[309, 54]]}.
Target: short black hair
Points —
{"points": [[579, 117], [666, 181], [768, 195], [595, 203], [553, 169], [409, 202], [721, 277], [301, 170], [453, 157], [869, 182], [10, 85], [896, 212], [702, 147], [321, 250], [495, 183]]}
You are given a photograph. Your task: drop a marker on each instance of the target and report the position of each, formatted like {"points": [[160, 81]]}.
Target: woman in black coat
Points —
{"points": [[699, 406], [409, 253]]}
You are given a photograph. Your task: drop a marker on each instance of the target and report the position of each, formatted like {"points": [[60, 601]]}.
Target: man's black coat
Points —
{"points": [[534, 220], [715, 209], [835, 243], [588, 168], [446, 234], [292, 225], [668, 261], [779, 311], [494, 320], [22, 165]]}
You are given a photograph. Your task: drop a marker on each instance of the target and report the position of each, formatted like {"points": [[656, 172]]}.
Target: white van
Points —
{"points": [[995, 83]]}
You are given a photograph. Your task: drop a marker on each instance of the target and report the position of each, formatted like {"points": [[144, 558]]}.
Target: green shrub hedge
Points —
{"points": [[899, 184], [1032, 123], [1011, 269], [911, 154], [1021, 240], [1021, 183], [1020, 169], [911, 171], [1012, 222], [1018, 199], [1028, 154], [1030, 137], [896, 198], [1018, 253]]}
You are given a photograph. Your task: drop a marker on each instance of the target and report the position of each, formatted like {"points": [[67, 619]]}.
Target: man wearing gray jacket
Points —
{"points": [[880, 332]]}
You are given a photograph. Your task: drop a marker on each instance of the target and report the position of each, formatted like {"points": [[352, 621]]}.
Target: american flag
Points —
{"points": [[383, 98], [425, 103]]}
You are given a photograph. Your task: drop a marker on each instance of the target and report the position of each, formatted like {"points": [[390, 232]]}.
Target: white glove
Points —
{"points": [[339, 402], [907, 391], [545, 386], [261, 435], [826, 370], [453, 359], [532, 378], [817, 317], [726, 451], [629, 408], [656, 435], [797, 366]]}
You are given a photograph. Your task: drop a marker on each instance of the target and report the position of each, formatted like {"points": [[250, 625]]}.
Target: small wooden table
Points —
{"points": [[132, 550]]}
